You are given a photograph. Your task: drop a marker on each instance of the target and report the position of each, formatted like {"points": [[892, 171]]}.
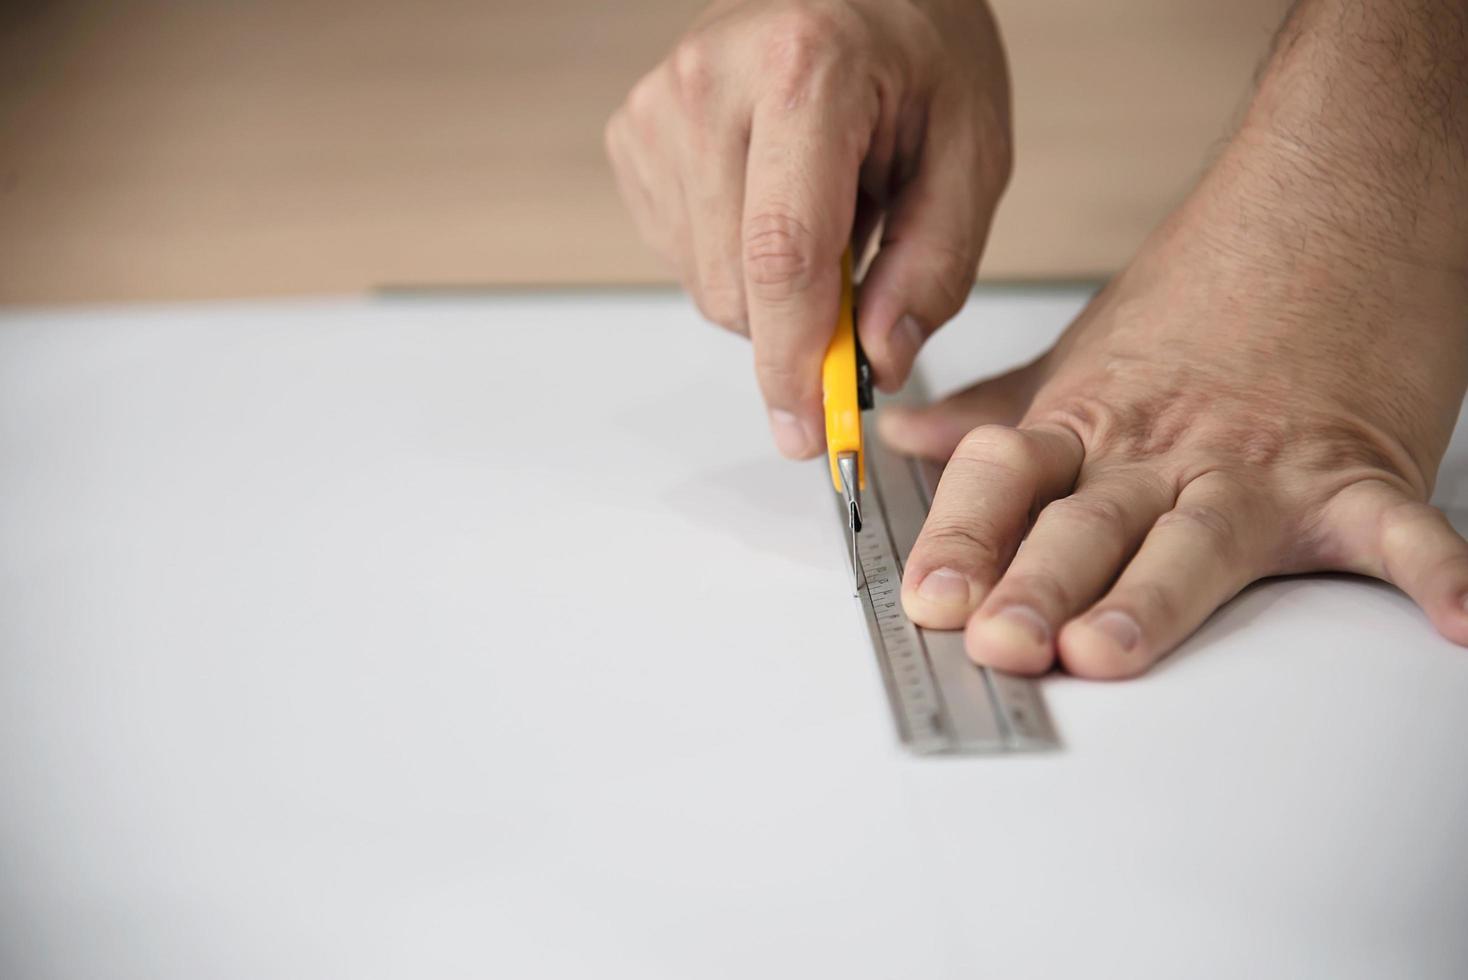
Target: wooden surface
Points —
{"points": [[159, 149]]}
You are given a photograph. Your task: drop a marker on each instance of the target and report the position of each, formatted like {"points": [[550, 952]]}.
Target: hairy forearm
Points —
{"points": [[1365, 106]]}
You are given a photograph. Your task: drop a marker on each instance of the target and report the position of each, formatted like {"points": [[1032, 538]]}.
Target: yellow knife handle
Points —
{"points": [[839, 382]]}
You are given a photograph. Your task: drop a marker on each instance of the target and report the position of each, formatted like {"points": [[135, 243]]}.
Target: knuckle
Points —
{"points": [[723, 303], [797, 37], [644, 101], [995, 444], [951, 270], [1404, 529], [1153, 602], [1400, 522], [1202, 520], [777, 250], [1093, 421], [976, 543], [692, 69], [807, 47], [1042, 591], [1091, 509]]}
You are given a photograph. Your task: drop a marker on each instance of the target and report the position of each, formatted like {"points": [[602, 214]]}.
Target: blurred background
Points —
{"points": [[172, 149]]}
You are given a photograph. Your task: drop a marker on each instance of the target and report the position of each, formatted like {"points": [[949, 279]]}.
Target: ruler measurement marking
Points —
{"points": [[921, 714], [941, 701], [926, 487]]}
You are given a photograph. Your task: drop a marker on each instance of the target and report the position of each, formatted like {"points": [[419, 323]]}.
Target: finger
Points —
{"points": [[998, 477], [1078, 545], [806, 145], [935, 231], [630, 182], [713, 152], [1195, 558], [1394, 537], [637, 144], [934, 431], [875, 180]]}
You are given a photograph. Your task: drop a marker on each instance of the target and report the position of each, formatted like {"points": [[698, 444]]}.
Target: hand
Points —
{"points": [[1243, 401], [742, 157]]}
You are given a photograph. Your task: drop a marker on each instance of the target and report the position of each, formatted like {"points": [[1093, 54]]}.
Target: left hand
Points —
{"points": [[1235, 405]]}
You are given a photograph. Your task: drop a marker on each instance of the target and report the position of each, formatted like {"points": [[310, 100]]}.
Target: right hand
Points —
{"points": [[776, 132]]}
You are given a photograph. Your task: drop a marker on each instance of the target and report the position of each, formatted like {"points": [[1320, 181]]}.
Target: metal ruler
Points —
{"points": [[942, 701]]}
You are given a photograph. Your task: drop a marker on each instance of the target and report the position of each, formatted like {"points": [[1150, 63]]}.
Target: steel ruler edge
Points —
{"points": [[943, 703]]}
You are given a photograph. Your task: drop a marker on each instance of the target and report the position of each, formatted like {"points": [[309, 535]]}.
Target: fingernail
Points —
{"points": [[944, 586], [790, 436], [1121, 628], [1017, 626], [905, 339]]}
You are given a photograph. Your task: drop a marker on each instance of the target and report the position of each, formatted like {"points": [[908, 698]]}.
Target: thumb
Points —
{"points": [[934, 431]]}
